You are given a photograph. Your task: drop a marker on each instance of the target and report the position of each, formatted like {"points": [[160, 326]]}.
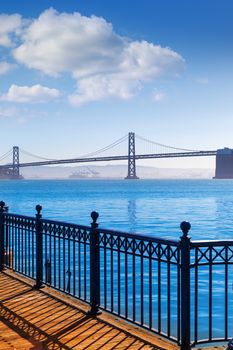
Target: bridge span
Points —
{"points": [[224, 160], [113, 158]]}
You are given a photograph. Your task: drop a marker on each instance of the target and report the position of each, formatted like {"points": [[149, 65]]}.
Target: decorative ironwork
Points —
{"points": [[147, 280]]}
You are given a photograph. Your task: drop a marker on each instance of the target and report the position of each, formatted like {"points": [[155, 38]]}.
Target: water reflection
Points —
{"points": [[132, 215]]}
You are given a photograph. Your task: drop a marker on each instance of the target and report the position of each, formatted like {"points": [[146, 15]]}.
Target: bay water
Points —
{"points": [[150, 207]]}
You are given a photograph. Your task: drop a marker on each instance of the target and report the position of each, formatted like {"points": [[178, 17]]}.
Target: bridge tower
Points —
{"points": [[131, 158], [15, 169], [224, 164]]}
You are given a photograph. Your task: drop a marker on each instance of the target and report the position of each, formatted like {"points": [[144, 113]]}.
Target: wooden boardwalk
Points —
{"points": [[45, 319], [31, 319]]}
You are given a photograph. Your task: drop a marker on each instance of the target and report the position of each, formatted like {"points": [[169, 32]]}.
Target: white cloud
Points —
{"points": [[10, 26], [158, 96], [100, 87], [8, 112], [5, 67], [30, 94], [103, 63], [56, 43], [202, 80]]}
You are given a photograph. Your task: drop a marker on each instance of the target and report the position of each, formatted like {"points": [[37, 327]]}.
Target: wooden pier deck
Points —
{"points": [[45, 319], [31, 319]]}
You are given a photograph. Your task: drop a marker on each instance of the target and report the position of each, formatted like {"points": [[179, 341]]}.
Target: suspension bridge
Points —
{"points": [[224, 157]]}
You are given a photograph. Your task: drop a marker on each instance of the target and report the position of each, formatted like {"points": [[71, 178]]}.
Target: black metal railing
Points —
{"points": [[179, 289]]}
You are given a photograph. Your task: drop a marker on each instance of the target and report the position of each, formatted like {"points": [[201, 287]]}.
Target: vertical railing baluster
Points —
{"points": [[105, 272], [48, 271], [150, 285], [196, 297], [2, 250], [68, 257], [50, 248], [134, 279], [64, 256], [94, 266], [55, 257], [29, 252], [21, 230], [126, 278], [26, 251], [17, 233], [178, 296], [85, 265], [142, 283], [185, 286], [39, 249], [111, 276], [210, 292], [74, 263], [79, 264], [33, 252], [159, 287], [118, 275], [226, 293], [168, 291], [59, 257], [14, 245]]}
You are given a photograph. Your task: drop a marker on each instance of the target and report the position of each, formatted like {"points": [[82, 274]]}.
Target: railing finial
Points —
{"points": [[185, 227], [38, 209], [2, 205], [94, 216]]}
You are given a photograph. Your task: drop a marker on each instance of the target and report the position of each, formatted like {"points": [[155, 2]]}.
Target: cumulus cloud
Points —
{"points": [[103, 63], [30, 94], [56, 43], [100, 87], [5, 67], [10, 26]]}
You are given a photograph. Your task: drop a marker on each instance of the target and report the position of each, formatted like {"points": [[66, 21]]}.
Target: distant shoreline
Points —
{"points": [[113, 172], [113, 179]]}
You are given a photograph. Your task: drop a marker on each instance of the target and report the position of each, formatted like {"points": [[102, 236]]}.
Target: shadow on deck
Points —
{"points": [[44, 319]]}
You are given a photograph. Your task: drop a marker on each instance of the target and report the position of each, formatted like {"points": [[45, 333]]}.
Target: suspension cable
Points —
{"points": [[104, 149], [34, 155], [162, 145], [112, 145], [5, 155]]}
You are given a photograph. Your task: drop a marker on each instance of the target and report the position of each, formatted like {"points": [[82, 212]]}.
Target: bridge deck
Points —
{"points": [[46, 319]]}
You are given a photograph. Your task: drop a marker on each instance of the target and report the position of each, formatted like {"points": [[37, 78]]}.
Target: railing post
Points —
{"points": [[94, 266], [2, 250], [185, 286], [39, 249]]}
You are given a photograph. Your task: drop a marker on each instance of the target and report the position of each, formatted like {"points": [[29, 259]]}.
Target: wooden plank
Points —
{"points": [[45, 319]]}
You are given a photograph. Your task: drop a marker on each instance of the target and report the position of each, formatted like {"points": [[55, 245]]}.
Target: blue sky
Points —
{"points": [[77, 75]]}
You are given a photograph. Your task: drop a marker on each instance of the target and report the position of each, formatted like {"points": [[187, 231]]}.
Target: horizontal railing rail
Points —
{"points": [[180, 289]]}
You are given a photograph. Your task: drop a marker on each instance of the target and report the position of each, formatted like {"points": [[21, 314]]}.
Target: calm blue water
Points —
{"points": [[151, 207]]}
